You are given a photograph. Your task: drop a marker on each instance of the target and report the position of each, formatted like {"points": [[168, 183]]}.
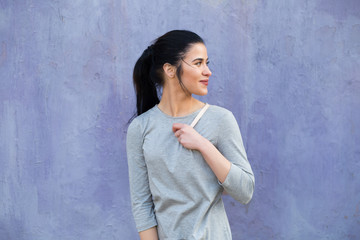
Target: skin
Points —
{"points": [[149, 234], [177, 102]]}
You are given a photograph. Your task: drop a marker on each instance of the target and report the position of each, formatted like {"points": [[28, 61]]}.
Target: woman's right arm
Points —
{"points": [[149, 234], [141, 198]]}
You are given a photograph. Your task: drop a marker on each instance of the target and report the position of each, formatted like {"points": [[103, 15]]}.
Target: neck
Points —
{"points": [[177, 103]]}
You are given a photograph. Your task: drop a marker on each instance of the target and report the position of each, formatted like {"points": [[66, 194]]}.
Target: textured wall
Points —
{"points": [[289, 70]]}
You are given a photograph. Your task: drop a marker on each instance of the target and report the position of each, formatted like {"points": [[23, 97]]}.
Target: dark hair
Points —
{"points": [[148, 71]]}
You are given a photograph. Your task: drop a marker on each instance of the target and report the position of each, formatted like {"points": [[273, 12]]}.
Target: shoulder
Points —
{"points": [[141, 121], [143, 118], [225, 122], [219, 112], [222, 117]]}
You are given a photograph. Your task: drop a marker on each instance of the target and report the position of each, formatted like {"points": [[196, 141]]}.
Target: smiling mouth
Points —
{"points": [[205, 82]]}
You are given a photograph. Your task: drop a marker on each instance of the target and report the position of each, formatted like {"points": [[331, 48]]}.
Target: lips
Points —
{"points": [[205, 82]]}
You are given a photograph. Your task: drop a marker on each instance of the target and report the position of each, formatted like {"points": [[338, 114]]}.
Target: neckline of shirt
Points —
{"points": [[180, 117]]}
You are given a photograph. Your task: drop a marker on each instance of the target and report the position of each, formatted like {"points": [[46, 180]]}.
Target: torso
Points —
{"points": [[185, 192]]}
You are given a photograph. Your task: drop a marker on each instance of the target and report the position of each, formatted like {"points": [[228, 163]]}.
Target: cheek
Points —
{"points": [[190, 76], [189, 81]]}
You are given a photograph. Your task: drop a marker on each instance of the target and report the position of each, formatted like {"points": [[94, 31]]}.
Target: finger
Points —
{"points": [[177, 126], [180, 140], [177, 133]]}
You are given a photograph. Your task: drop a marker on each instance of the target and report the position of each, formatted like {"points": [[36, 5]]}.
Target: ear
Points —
{"points": [[169, 70]]}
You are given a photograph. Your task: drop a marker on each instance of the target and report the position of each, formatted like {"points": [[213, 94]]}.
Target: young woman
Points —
{"points": [[177, 173]]}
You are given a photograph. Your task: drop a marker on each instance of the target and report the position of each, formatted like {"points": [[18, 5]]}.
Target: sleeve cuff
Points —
{"points": [[225, 183], [146, 226]]}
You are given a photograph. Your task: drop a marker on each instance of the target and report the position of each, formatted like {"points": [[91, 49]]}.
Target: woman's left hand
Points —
{"points": [[187, 136]]}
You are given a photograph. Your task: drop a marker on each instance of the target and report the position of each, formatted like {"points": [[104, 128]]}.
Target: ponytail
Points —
{"points": [[145, 86], [148, 71]]}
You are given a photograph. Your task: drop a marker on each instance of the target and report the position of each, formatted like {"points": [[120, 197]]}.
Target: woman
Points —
{"points": [[178, 173]]}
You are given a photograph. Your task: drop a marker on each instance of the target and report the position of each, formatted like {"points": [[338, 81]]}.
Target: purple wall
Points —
{"points": [[289, 70]]}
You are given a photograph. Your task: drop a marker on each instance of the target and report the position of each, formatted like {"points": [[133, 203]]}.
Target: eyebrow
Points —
{"points": [[196, 59]]}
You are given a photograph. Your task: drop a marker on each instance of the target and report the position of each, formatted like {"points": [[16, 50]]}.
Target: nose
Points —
{"points": [[207, 71]]}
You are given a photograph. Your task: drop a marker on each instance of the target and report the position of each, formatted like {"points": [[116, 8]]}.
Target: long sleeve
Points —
{"points": [[141, 198], [240, 180]]}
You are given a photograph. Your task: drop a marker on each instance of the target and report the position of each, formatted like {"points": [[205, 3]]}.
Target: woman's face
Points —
{"points": [[196, 73]]}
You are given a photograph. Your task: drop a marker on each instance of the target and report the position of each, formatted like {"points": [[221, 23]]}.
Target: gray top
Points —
{"points": [[172, 187]]}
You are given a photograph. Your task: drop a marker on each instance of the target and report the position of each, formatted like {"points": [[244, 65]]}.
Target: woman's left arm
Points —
{"points": [[227, 160]]}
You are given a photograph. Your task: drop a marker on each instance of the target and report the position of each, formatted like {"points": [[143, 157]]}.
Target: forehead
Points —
{"points": [[197, 50]]}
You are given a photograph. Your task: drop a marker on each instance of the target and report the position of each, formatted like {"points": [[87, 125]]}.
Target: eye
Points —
{"points": [[207, 63], [198, 64]]}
